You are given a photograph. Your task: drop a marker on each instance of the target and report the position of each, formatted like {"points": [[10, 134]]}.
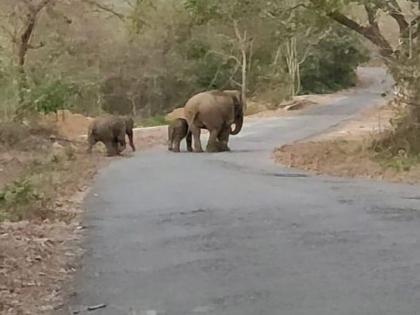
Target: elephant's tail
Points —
{"points": [[170, 134], [193, 121]]}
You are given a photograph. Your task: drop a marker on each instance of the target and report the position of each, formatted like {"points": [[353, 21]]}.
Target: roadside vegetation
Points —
{"points": [[145, 58], [393, 28]]}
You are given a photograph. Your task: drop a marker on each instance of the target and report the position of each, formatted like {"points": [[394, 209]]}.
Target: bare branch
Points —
{"points": [[286, 12], [372, 13], [227, 57], [105, 8], [368, 32], [40, 45], [9, 33], [395, 11]]}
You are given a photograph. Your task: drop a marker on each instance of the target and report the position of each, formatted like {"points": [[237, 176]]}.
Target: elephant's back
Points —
{"points": [[106, 125], [197, 102]]}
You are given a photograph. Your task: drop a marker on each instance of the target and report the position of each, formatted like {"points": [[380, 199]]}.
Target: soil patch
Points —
{"points": [[347, 151]]}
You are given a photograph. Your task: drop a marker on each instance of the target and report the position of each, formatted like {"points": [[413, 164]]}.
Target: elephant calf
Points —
{"points": [[178, 130], [111, 131]]}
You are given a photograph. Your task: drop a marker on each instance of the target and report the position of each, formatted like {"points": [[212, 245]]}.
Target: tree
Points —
{"points": [[234, 13], [27, 12], [402, 59]]}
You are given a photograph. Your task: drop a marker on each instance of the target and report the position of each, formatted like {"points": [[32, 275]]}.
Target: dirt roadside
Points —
{"points": [[40, 242], [347, 151]]}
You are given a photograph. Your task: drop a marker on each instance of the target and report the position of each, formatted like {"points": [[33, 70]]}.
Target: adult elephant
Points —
{"points": [[215, 111]]}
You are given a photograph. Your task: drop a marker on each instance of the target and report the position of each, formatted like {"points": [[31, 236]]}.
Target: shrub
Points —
{"points": [[18, 199], [333, 63], [52, 96]]}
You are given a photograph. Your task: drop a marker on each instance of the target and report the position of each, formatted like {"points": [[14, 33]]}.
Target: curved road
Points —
{"points": [[234, 234]]}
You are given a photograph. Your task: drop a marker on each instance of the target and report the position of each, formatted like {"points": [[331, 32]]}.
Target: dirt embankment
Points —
{"points": [[349, 151]]}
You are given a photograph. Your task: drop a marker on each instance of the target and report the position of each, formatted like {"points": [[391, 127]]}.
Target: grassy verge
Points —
{"points": [[39, 223], [369, 147], [349, 158], [43, 172], [46, 179]]}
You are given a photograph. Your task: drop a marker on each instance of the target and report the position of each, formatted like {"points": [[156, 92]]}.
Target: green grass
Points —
{"points": [[18, 199], [44, 179], [153, 121], [399, 163]]}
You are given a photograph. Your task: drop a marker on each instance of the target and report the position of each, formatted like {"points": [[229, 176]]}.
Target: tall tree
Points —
{"points": [[403, 59]]}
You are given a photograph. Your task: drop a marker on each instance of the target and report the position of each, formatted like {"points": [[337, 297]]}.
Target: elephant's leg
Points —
{"points": [[189, 142], [91, 143], [213, 144], [224, 139], [170, 138], [177, 144], [197, 142], [111, 147], [120, 142], [170, 144], [116, 146]]}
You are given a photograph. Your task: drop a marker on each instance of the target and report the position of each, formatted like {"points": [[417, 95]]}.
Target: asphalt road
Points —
{"points": [[234, 234]]}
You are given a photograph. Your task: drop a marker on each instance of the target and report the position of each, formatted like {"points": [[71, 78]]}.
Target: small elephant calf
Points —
{"points": [[178, 130], [111, 131]]}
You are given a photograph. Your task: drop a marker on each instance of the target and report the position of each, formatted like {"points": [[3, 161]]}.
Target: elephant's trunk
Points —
{"points": [[238, 125]]}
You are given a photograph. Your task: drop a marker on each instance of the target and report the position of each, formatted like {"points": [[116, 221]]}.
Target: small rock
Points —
{"points": [[96, 307]]}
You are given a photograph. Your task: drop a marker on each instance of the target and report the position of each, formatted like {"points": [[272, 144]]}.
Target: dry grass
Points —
{"points": [[35, 260], [35, 173], [352, 158], [366, 147]]}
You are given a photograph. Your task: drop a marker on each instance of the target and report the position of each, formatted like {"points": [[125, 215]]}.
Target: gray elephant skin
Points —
{"points": [[111, 131], [177, 131], [215, 111]]}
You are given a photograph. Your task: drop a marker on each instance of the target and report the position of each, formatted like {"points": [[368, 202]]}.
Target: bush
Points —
{"points": [[333, 63], [52, 96], [153, 121], [18, 199]]}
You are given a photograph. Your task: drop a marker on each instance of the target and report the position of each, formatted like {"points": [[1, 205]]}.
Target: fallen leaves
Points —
{"points": [[36, 258]]}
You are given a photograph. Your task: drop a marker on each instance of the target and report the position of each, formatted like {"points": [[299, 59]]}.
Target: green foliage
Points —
{"points": [[153, 121], [19, 192], [52, 96], [400, 162], [158, 53], [213, 72], [331, 65], [17, 198]]}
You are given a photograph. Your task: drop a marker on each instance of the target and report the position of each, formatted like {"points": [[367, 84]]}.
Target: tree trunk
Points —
{"points": [[243, 47], [293, 67], [244, 78]]}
